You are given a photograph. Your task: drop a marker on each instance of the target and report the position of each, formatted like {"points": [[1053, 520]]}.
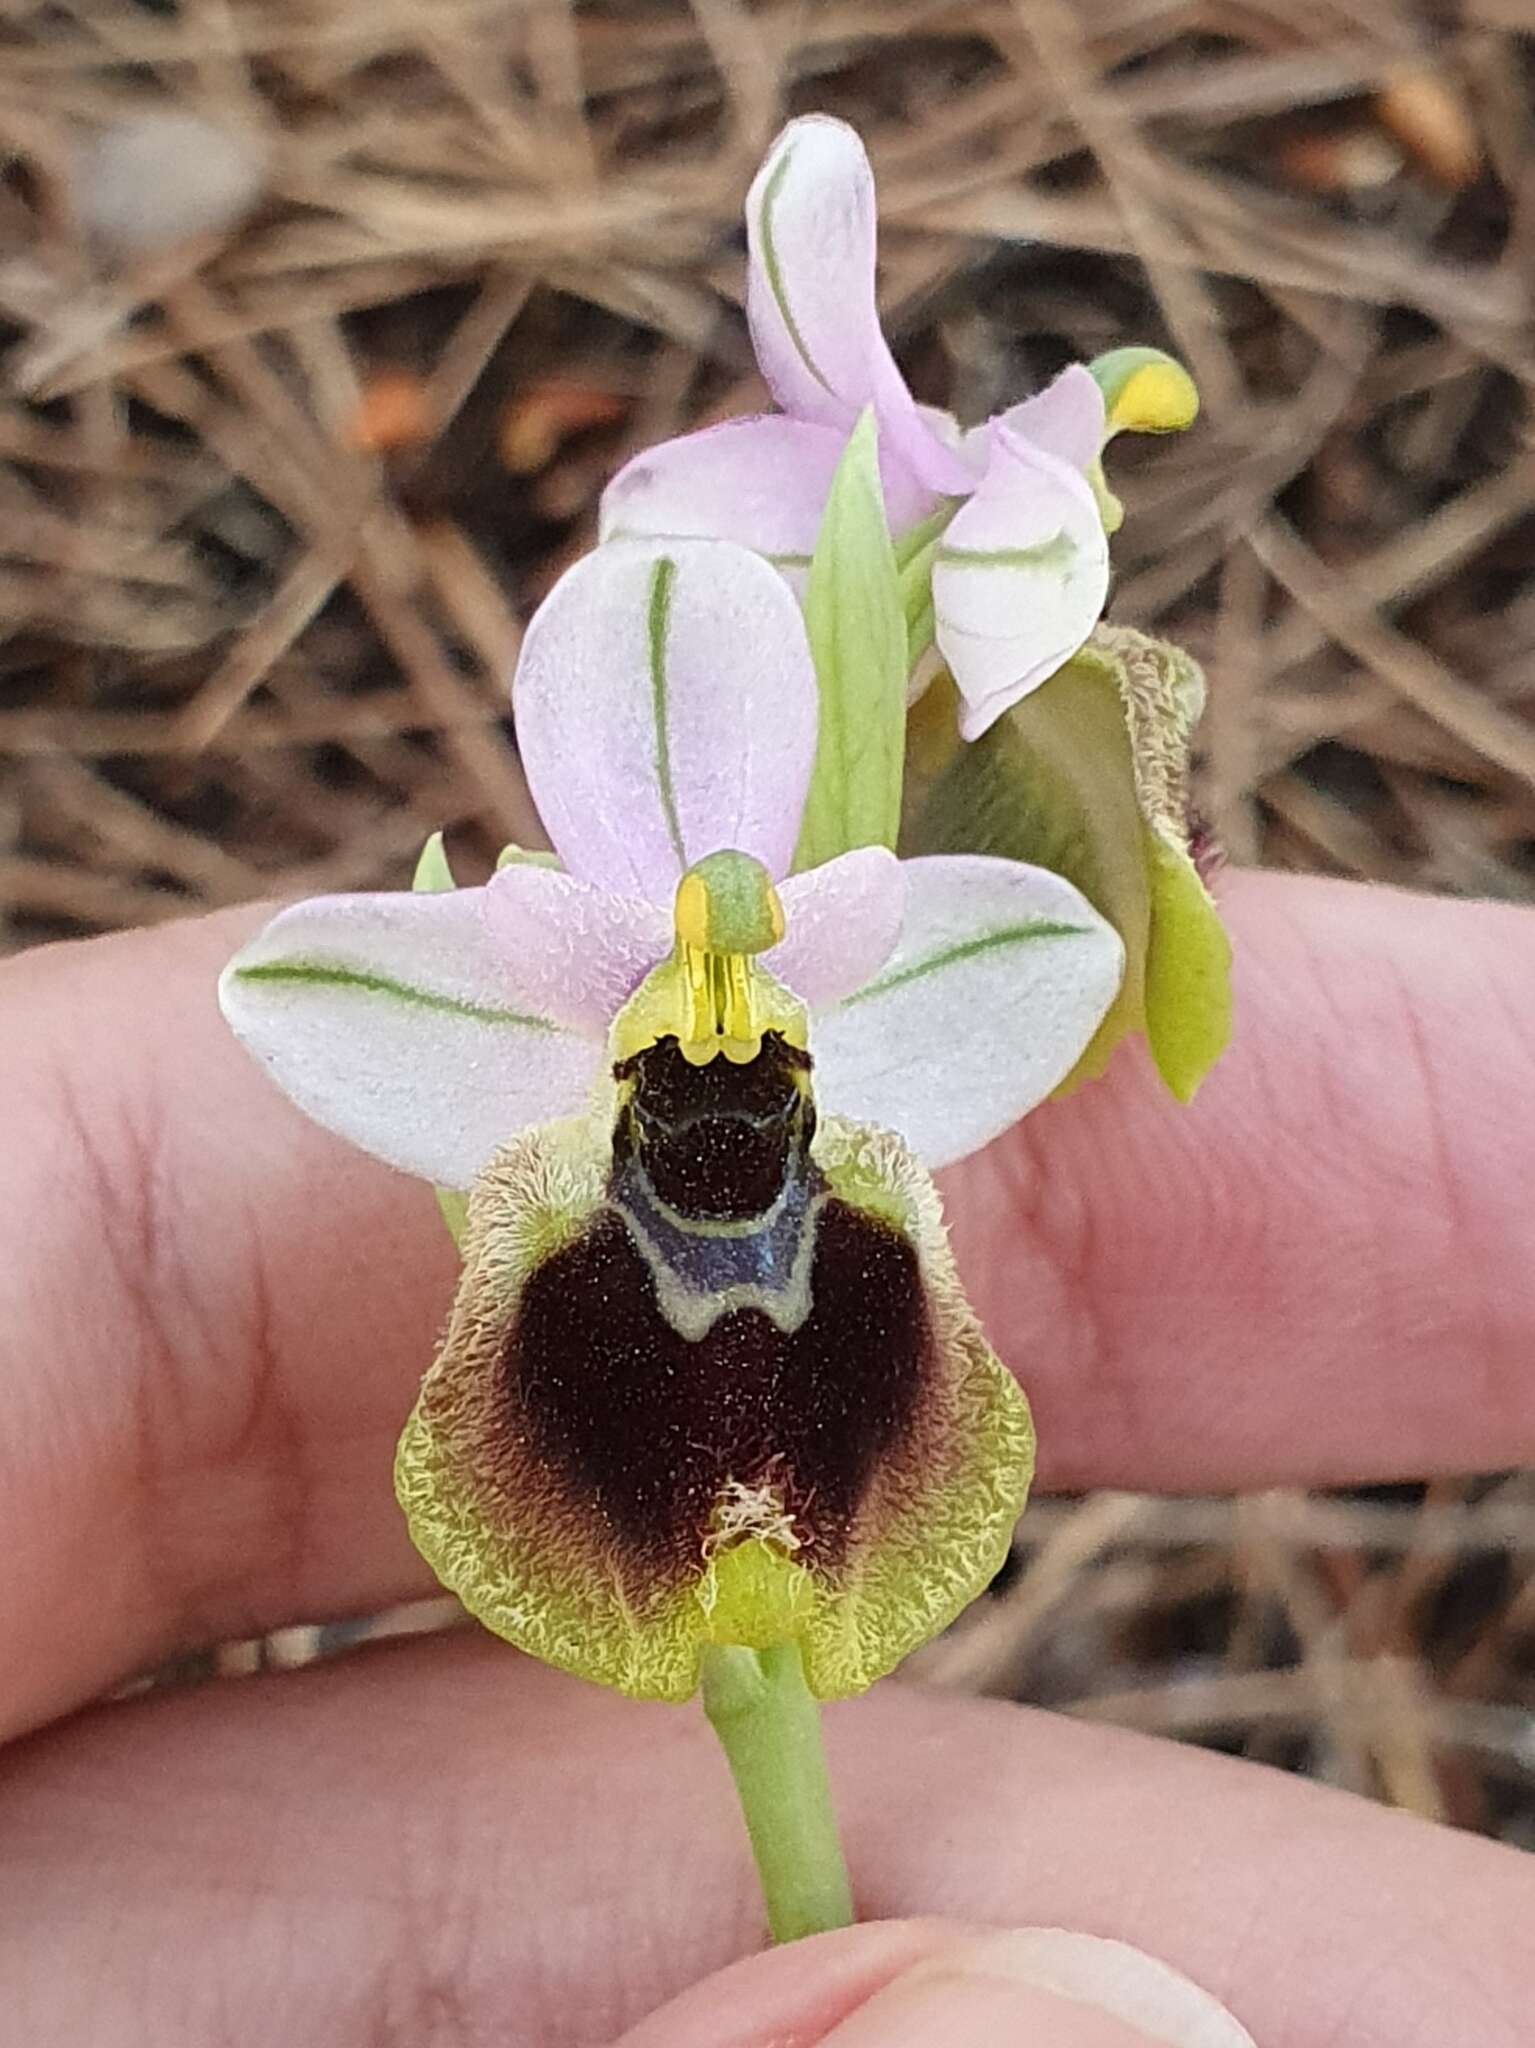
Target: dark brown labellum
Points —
{"points": [[798, 1390]]}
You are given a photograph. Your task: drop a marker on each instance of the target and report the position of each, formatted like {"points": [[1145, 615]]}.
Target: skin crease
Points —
{"points": [[214, 1317]]}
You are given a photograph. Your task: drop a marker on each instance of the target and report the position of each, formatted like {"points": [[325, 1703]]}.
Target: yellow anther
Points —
{"points": [[726, 912], [1158, 398], [1145, 391], [711, 995], [728, 904], [721, 1007], [691, 912]]}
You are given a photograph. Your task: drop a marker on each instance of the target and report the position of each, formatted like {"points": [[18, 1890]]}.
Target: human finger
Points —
{"points": [[439, 1836], [1321, 1271], [930, 1984], [215, 1315]]}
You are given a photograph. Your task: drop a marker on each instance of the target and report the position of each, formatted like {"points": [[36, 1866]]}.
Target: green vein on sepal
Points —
{"points": [[774, 270], [967, 949], [313, 974], [1054, 553], [662, 579]]}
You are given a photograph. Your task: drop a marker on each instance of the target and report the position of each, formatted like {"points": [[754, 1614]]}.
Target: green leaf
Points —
{"points": [[433, 876], [856, 621], [1188, 971]]}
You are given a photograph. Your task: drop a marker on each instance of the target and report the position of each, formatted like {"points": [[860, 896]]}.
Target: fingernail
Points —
{"points": [[943, 2004], [1040, 1985]]}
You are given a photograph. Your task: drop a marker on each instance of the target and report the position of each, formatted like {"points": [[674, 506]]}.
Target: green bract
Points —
{"points": [[1088, 776], [857, 628], [433, 874]]}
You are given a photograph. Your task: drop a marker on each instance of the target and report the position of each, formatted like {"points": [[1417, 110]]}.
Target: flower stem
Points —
{"points": [[770, 1729]]}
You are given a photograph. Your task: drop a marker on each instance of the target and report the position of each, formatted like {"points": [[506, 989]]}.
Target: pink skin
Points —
{"points": [[216, 1316]]}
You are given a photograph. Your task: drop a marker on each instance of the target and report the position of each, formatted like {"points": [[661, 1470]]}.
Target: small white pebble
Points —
{"points": [[153, 179]]}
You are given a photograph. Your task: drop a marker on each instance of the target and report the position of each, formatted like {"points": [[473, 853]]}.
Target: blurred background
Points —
{"points": [[324, 321]]}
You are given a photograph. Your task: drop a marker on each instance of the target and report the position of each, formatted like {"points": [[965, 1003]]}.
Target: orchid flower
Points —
{"points": [[999, 567], [1000, 530], [709, 1378]]}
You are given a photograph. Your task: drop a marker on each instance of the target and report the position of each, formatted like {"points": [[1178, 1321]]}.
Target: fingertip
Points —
{"points": [[949, 2004], [924, 1984], [792, 1996]]}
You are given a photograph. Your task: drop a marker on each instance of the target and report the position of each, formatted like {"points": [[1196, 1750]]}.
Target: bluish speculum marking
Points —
{"points": [[712, 1173]]}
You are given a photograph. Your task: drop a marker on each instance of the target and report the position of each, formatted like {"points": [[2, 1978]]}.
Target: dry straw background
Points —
{"points": [[276, 500]]}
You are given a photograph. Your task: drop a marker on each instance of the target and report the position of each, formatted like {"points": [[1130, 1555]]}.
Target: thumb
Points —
{"points": [[926, 1985]]}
